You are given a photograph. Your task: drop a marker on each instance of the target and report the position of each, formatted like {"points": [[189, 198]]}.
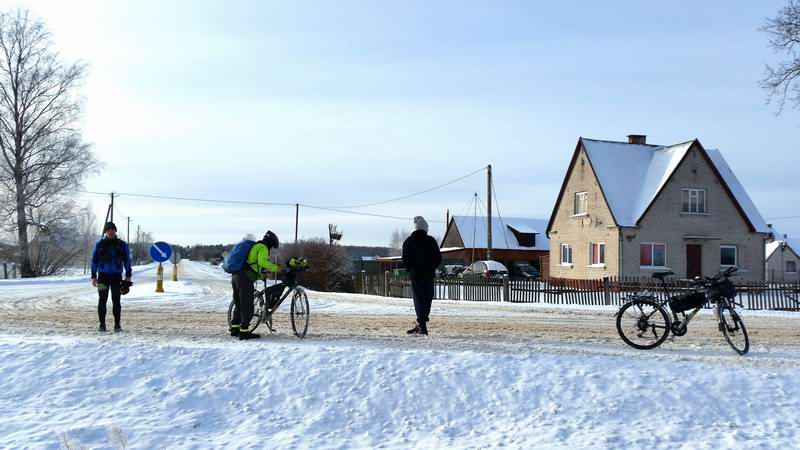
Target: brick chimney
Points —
{"points": [[637, 139]]}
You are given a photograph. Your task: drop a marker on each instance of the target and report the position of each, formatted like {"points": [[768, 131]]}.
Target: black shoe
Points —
{"points": [[245, 335], [117, 328], [418, 330], [234, 331], [101, 328]]}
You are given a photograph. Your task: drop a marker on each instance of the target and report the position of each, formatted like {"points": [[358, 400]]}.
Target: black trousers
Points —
{"points": [[422, 288], [243, 295], [112, 283]]}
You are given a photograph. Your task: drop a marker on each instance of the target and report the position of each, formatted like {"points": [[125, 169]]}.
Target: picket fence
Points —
{"points": [[606, 291]]}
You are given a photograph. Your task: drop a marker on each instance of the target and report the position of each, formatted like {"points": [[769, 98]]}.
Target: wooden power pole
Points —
{"points": [[489, 212]]}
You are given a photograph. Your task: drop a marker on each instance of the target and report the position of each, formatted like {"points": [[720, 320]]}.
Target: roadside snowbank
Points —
{"points": [[225, 394]]}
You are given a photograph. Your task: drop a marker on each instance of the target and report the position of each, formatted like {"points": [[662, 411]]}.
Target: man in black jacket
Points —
{"points": [[421, 257]]}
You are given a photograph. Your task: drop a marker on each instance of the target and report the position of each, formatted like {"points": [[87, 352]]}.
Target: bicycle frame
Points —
{"points": [[268, 310]]}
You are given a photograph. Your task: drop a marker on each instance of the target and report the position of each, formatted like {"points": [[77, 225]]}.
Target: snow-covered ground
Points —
{"points": [[86, 389]]}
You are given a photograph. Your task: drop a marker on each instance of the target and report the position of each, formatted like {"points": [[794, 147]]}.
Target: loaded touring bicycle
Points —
{"points": [[645, 322]]}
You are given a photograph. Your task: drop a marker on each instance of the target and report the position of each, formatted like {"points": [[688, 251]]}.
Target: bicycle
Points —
{"points": [[645, 315], [269, 299]]}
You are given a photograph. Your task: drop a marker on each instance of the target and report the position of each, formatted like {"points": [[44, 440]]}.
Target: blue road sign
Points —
{"points": [[160, 251]]}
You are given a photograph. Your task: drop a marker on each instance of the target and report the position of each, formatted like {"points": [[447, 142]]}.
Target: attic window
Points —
{"points": [[526, 237]]}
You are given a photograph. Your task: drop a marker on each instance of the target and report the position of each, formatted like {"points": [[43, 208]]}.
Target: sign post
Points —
{"points": [[160, 252], [175, 259]]}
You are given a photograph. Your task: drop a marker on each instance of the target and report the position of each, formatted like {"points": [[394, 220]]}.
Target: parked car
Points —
{"points": [[452, 270], [486, 268], [523, 270]]}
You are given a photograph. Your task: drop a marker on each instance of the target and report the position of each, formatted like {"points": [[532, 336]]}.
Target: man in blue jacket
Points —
{"points": [[111, 256]]}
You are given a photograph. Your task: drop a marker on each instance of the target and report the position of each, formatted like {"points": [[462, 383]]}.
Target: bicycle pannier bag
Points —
{"points": [[727, 289], [686, 302], [237, 257]]}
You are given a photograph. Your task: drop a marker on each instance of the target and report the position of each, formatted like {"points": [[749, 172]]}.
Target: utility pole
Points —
{"points": [[489, 212], [111, 208], [128, 231], [296, 220]]}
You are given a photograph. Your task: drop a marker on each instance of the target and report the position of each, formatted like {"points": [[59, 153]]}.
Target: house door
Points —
{"points": [[694, 260]]}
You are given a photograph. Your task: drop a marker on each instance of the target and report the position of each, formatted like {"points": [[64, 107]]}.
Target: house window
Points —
{"points": [[728, 255], [598, 253], [791, 267], [566, 254], [653, 255], [694, 201], [581, 203]]}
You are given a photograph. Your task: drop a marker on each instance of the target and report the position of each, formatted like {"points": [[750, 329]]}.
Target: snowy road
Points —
{"points": [[490, 375]]}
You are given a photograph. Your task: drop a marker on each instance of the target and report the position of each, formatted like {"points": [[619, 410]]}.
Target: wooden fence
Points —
{"points": [[606, 291]]}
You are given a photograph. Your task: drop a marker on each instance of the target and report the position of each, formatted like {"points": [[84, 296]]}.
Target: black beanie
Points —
{"points": [[109, 226]]}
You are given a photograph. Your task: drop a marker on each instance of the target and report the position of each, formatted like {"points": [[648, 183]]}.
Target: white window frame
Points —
{"points": [[652, 255], [581, 199], [568, 247], [693, 197], [601, 254], [735, 256], [786, 268]]}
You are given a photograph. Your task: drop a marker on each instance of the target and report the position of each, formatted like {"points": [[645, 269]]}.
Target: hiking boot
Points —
{"points": [[245, 335], [101, 328], [418, 330], [117, 328], [235, 331]]}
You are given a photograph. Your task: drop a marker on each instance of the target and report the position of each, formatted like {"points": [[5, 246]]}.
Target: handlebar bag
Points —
{"points": [[686, 302], [726, 289]]}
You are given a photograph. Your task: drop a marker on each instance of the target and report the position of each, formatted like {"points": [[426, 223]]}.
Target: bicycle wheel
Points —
{"points": [[300, 313], [643, 324], [733, 328], [257, 313]]}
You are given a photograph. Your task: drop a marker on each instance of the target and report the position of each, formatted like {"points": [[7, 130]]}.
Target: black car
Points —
{"points": [[523, 270]]}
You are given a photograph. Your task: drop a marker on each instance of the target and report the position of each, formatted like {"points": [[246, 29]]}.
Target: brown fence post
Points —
{"points": [[606, 291], [506, 291], [386, 284]]}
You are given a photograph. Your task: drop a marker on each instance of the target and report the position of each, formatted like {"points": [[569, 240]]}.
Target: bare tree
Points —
{"points": [[330, 266], [396, 242], [782, 81], [44, 160]]}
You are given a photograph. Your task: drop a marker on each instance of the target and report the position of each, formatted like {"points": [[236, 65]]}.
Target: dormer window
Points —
{"points": [[694, 201], [525, 235], [581, 203]]}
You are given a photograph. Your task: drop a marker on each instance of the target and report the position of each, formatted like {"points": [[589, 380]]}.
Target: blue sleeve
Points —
{"points": [[128, 271], [94, 260]]}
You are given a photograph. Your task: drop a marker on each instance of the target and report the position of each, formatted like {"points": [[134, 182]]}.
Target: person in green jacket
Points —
{"points": [[257, 267]]}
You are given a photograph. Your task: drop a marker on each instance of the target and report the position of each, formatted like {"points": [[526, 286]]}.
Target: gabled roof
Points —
{"points": [[472, 230], [791, 244], [632, 175]]}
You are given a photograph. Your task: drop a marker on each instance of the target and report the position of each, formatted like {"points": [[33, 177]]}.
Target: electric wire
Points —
{"points": [[497, 204], [409, 195]]}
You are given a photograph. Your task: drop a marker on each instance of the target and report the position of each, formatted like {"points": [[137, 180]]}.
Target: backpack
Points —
{"points": [[236, 259]]}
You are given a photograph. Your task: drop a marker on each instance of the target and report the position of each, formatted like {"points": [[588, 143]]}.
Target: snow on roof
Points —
{"points": [[744, 200], [772, 246], [633, 174], [793, 244], [473, 232]]}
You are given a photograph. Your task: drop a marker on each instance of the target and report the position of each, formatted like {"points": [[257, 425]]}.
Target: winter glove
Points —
{"points": [[298, 263], [125, 287]]}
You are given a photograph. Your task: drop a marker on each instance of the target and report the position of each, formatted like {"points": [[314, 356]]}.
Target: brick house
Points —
{"points": [[783, 261], [632, 209]]}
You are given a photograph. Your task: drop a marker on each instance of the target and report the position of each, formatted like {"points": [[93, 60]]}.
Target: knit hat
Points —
{"points": [[420, 223], [109, 226]]}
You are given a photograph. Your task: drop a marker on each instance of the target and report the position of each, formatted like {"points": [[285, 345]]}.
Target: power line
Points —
{"points": [[364, 214], [780, 218], [190, 199], [497, 204], [239, 202], [411, 195]]}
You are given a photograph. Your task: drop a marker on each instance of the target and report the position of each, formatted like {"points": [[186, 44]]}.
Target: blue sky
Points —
{"points": [[338, 103]]}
